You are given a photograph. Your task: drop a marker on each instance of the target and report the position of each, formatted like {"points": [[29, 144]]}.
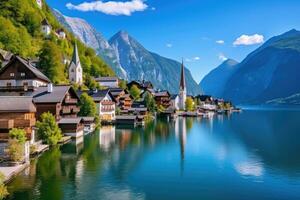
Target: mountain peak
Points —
{"points": [[230, 62]]}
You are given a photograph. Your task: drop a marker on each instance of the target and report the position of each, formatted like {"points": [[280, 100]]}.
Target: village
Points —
{"points": [[36, 114]]}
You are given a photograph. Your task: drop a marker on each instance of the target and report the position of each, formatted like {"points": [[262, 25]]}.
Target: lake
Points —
{"points": [[251, 155]]}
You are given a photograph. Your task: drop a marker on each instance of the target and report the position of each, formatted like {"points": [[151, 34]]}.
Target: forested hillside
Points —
{"points": [[20, 33]]}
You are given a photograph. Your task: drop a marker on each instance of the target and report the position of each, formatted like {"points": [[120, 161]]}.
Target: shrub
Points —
{"points": [[18, 134], [3, 189], [87, 106], [48, 129], [15, 150]]}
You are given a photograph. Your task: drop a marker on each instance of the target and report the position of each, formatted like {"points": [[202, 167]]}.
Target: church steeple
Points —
{"points": [[182, 77], [182, 88], [75, 69]]}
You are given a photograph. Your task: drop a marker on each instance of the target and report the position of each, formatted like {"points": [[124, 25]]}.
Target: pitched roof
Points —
{"points": [[41, 94], [45, 22], [182, 77], [16, 104], [75, 58], [162, 93], [98, 95], [28, 65], [106, 79], [116, 91], [73, 120]]}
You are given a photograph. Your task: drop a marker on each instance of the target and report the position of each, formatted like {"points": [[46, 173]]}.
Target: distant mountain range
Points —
{"points": [[270, 72], [129, 59], [213, 83]]}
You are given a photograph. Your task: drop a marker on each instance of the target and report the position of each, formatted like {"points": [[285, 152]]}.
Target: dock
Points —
{"points": [[10, 172]]}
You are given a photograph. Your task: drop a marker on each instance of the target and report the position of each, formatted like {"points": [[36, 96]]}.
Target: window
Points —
{"points": [[72, 70], [25, 83], [12, 74], [22, 74], [78, 69], [8, 84]]}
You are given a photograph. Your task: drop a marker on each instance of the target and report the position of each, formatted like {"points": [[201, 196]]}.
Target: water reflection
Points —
{"points": [[194, 158]]}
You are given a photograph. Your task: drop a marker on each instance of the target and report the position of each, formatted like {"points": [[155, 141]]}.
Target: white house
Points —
{"points": [[46, 27], [110, 82], [175, 102], [75, 69], [106, 106], [39, 3], [61, 34]]}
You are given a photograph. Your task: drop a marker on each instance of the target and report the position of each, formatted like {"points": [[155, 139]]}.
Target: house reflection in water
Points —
{"points": [[107, 137]]}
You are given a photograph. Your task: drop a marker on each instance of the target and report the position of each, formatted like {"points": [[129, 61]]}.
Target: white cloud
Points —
{"points": [[222, 57], [111, 7], [249, 40], [197, 58], [220, 41], [169, 45]]}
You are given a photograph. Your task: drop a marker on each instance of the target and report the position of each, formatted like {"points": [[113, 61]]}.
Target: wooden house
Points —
{"points": [[142, 85], [20, 75], [122, 97], [72, 126], [163, 98], [61, 101], [17, 112]]}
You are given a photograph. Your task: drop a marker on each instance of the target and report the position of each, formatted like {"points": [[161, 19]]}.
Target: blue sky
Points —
{"points": [[203, 32]]}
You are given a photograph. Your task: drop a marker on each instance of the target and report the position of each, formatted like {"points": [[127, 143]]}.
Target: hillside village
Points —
{"points": [[37, 111]]}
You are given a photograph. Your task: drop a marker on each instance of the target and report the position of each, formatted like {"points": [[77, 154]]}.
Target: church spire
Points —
{"points": [[182, 77], [75, 58]]}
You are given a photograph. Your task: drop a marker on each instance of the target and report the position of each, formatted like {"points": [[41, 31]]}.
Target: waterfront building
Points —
{"points": [[17, 112], [20, 75], [182, 89], [72, 126], [109, 82], [75, 69], [46, 27], [106, 105], [175, 102], [162, 98], [61, 101]]}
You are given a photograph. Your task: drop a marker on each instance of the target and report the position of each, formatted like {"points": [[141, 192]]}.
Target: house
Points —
{"points": [[143, 85], [75, 69], [122, 98], [61, 101], [109, 82], [138, 108], [39, 3], [17, 112], [46, 27], [72, 126], [175, 102], [106, 106], [5, 57], [162, 98], [61, 33], [20, 75], [89, 124]]}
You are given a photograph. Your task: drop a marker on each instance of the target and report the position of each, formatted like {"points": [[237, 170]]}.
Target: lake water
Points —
{"points": [[251, 155]]}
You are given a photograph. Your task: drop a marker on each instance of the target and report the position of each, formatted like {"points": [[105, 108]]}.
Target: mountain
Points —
{"points": [[139, 64], [213, 83], [270, 72], [88, 35], [291, 100]]}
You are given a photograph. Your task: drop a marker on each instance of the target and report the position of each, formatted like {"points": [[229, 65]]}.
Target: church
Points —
{"points": [[75, 69]]}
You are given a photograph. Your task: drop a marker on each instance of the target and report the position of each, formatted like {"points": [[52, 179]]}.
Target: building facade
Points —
{"points": [[46, 27]]}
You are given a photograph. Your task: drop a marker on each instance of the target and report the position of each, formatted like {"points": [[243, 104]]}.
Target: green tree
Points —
{"points": [[122, 84], [150, 102], [48, 129], [87, 106], [51, 64], [3, 189], [18, 134], [189, 104], [135, 91]]}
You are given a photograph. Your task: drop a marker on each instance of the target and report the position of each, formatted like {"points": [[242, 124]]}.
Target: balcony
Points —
{"points": [[71, 101], [66, 110], [6, 123], [16, 88], [76, 110], [23, 123]]}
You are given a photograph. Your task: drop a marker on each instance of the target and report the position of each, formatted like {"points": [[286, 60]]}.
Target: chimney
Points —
{"points": [[49, 88]]}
